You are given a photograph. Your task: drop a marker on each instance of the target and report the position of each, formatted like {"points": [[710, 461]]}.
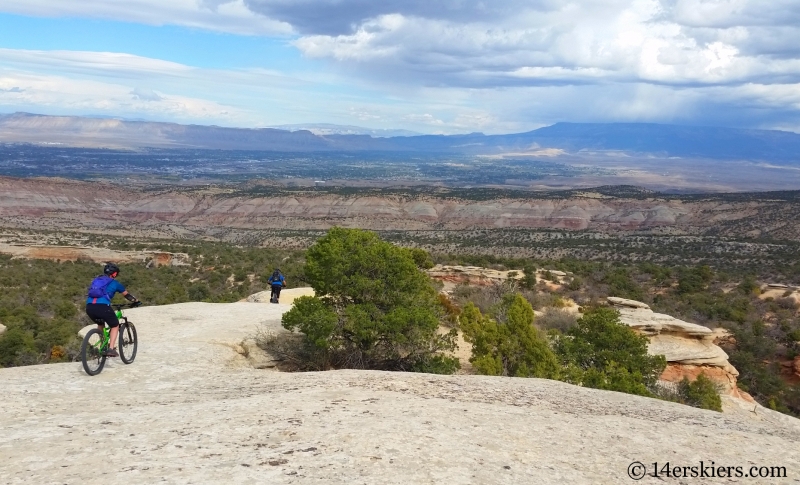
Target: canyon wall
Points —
{"points": [[66, 203]]}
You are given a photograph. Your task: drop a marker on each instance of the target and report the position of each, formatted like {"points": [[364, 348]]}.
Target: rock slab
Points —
{"points": [[192, 409]]}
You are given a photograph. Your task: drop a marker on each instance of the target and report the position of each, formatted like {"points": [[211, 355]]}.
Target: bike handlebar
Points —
{"points": [[126, 305]]}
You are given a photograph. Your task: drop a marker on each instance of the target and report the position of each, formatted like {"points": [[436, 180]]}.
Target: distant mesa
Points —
{"points": [[663, 141], [324, 129]]}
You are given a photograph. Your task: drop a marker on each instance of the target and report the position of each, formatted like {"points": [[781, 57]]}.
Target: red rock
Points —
{"points": [[676, 373]]}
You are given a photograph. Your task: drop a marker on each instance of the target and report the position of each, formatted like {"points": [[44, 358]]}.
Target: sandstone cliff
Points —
{"points": [[193, 409], [689, 348], [62, 203]]}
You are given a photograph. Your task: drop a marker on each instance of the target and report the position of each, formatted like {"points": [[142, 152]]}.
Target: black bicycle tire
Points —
{"points": [[127, 330], [85, 347]]}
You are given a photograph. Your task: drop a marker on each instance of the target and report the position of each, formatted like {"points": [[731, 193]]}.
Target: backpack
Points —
{"points": [[98, 287], [275, 278]]}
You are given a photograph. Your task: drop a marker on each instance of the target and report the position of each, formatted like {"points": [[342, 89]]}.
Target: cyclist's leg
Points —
{"points": [[106, 314], [92, 314]]}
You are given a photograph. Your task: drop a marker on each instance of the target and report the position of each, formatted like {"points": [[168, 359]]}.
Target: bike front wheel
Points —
{"points": [[128, 343], [92, 352]]}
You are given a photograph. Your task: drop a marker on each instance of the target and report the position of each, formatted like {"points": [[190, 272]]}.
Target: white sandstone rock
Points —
{"points": [[191, 409], [82, 332], [684, 345], [287, 295], [627, 303], [651, 323]]}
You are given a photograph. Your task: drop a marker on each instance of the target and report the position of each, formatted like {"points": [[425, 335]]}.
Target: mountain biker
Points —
{"points": [[276, 281], [98, 303]]}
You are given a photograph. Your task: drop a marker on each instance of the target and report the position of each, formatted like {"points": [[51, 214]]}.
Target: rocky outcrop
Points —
{"points": [[797, 366], [2, 329], [98, 255], [689, 348], [471, 275]]}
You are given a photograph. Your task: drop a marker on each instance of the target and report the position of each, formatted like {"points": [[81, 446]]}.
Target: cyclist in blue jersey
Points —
{"points": [[98, 303], [276, 282]]}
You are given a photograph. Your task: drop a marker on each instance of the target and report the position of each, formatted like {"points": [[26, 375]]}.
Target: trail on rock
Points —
{"points": [[191, 409]]}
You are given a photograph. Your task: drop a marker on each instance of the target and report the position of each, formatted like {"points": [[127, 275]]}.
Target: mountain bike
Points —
{"points": [[96, 342], [275, 293]]}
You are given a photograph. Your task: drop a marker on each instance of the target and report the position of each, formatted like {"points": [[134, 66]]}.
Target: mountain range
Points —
{"points": [[645, 139]]}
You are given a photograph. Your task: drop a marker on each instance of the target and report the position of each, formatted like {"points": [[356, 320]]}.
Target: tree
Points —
{"points": [[692, 280], [376, 309], [508, 344], [700, 393], [605, 353], [529, 275]]}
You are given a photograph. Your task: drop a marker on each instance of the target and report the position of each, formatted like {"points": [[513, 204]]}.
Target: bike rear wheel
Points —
{"points": [[128, 342], [92, 352]]}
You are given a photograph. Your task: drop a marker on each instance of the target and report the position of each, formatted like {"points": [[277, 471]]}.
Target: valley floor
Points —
{"points": [[191, 409]]}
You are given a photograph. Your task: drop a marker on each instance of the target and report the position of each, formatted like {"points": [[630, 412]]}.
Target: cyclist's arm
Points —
{"points": [[129, 297]]}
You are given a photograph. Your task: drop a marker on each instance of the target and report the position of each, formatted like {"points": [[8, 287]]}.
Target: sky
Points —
{"points": [[431, 66]]}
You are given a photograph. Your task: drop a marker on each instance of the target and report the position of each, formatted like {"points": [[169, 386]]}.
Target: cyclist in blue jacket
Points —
{"points": [[98, 303], [276, 281]]}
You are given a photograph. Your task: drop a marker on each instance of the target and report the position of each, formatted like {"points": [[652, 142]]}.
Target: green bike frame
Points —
{"points": [[102, 345]]}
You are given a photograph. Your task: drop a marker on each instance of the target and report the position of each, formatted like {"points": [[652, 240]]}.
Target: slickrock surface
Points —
{"points": [[288, 295], [191, 409]]}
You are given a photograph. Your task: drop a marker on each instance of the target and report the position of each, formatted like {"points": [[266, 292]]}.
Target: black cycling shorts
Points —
{"points": [[104, 313]]}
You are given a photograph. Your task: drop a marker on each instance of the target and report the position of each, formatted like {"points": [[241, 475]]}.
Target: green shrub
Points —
{"points": [[379, 310], [529, 276], [17, 347], [621, 284], [701, 393], [748, 286], [692, 280], [575, 284], [508, 344], [609, 353]]}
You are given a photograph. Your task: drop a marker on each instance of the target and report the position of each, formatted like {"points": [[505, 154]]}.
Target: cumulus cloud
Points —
{"points": [[480, 65], [425, 119], [145, 95], [561, 42]]}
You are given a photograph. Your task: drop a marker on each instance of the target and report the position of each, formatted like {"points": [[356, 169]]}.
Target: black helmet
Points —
{"points": [[110, 268]]}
